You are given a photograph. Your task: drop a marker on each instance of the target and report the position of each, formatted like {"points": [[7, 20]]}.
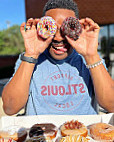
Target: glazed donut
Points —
{"points": [[73, 138], [16, 133], [46, 27], [73, 128], [71, 27], [48, 130], [102, 131]]}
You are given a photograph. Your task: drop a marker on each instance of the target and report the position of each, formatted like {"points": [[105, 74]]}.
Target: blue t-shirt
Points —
{"points": [[62, 87]]}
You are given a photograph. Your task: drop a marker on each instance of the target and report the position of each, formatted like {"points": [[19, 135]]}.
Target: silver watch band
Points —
{"points": [[28, 59]]}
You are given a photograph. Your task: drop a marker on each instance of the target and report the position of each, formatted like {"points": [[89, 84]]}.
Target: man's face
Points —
{"points": [[59, 48]]}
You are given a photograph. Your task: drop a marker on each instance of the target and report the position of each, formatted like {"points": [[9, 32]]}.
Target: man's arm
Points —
{"points": [[15, 93], [87, 45], [103, 84]]}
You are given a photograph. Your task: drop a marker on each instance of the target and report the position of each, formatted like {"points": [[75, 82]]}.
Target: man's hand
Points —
{"points": [[87, 43], [34, 44]]}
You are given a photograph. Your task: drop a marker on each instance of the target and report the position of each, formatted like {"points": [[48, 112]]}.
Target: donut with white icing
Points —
{"points": [[16, 133], [73, 128]]}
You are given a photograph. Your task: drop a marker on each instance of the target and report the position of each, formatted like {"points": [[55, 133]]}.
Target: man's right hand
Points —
{"points": [[34, 44]]}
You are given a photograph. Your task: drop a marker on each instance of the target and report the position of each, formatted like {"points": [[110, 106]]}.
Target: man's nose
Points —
{"points": [[58, 36]]}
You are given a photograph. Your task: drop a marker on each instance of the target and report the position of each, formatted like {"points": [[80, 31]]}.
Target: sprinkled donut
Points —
{"points": [[71, 27], [46, 27]]}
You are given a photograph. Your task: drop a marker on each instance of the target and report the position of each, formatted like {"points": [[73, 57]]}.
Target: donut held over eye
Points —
{"points": [[46, 27], [71, 27]]}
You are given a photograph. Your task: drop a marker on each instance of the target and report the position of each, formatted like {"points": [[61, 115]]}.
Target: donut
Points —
{"points": [[15, 133], [102, 131], [46, 27], [48, 130], [6, 140], [35, 131], [38, 139], [71, 27], [73, 138], [73, 128]]}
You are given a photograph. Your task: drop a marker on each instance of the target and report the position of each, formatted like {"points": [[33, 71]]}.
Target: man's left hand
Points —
{"points": [[87, 43]]}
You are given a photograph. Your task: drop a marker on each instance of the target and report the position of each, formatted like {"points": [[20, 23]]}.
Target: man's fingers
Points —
{"points": [[29, 22], [37, 20], [96, 27], [86, 26], [69, 40], [33, 27], [48, 40], [82, 21], [89, 21], [89, 25], [34, 24], [22, 27], [92, 23]]}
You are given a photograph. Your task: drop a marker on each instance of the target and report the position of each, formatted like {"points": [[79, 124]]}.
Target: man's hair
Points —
{"points": [[62, 4]]}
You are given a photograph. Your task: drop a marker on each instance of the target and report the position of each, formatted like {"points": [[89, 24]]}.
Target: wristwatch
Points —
{"points": [[28, 59]]}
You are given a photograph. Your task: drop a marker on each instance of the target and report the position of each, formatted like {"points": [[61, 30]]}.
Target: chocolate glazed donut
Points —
{"points": [[35, 131], [45, 129], [71, 27]]}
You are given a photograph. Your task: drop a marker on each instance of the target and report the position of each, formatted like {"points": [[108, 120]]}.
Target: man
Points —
{"points": [[59, 81]]}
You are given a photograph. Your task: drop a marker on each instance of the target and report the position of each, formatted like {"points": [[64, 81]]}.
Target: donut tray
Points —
{"points": [[58, 120]]}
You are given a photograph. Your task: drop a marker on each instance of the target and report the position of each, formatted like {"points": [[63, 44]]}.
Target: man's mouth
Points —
{"points": [[59, 48]]}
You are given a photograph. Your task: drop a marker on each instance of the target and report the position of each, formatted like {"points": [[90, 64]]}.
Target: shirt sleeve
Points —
{"points": [[17, 64]]}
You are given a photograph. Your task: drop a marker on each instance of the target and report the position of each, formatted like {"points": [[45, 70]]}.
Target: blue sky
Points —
{"points": [[13, 11]]}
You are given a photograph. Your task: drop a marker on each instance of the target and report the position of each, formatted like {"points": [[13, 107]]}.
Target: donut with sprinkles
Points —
{"points": [[71, 27], [46, 27]]}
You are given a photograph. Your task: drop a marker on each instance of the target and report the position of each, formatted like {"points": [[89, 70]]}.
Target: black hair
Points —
{"points": [[63, 4]]}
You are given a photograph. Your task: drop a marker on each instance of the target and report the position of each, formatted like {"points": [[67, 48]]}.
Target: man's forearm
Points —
{"points": [[103, 84], [15, 93]]}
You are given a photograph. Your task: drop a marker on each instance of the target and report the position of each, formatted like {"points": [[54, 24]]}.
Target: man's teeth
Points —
{"points": [[59, 47]]}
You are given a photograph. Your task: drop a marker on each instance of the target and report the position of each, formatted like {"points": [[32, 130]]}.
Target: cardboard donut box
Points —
{"points": [[58, 120]]}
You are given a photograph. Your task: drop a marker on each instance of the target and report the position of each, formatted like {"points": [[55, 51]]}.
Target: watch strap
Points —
{"points": [[28, 59]]}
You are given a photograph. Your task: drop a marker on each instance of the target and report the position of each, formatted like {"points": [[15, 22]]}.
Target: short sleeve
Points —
{"points": [[17, 64]]}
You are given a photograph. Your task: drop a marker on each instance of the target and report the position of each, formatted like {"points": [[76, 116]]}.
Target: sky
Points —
{"points": [[12, 11]]}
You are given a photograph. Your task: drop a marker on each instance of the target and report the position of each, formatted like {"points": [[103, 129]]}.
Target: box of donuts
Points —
{"points": [[57, 128]]}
